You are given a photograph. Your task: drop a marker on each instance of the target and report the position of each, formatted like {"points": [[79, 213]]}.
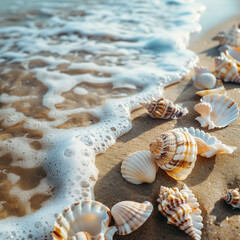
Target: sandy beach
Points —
{"points": [[209, 179]]}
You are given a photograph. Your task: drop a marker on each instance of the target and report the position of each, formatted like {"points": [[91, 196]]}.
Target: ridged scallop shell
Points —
{"points": [[217, 111], [219, 88], [175, 151], [129, 215], [82, 236], [208, 145], [139, 167], [233, 197], [181, 209], [164, 109], [231, 37], [90, 216]]}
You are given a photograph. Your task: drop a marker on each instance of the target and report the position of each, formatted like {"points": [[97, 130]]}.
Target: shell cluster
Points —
{"points": [[233, 197], [231, 37]]}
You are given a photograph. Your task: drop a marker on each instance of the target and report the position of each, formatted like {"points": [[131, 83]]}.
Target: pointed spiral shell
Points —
{"points": [[233, 197], [231, 37]]}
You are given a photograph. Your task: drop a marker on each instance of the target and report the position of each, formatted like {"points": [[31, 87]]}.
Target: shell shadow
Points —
{"points": [[211, 52]]}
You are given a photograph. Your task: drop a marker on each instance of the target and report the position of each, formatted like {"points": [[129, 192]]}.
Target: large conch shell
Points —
{"points": [[216, 110], [231, 37], [175, 151], [139, 167], [208, 145], [233, 197], [129, 215], [181, 209], [89, 216], [164, 109], [219, 88]]}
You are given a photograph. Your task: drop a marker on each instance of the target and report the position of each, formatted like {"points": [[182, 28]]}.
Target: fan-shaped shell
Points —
{"points": [[231, 37], [164, 109], [139, 167], [219, 88], [129, 215], [181, 209], [224, 111], [233, 197], [208, 145], [82, 236], [90, 216], [175, 151]]}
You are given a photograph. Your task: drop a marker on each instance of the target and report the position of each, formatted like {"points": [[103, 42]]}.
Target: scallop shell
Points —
{"points": [[130, 215], [217, 111], [181, 209], [82, 236], [90, 216], [208, 145], [219, 88], [233, 197], [164, 109], [175, 151], [139, 167]]}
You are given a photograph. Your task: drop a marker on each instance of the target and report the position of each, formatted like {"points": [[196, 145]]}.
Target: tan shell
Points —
{"points": [[181, 209], [219, 88], [82, 236], [233, 197], [231, 37], [164, 109], [130, 215], [175, 151]]}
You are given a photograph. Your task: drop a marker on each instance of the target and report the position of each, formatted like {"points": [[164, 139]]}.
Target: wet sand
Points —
{"points": [[208, 180]]}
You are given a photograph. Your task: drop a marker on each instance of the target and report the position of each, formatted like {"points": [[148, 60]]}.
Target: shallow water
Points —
{"points": [[71, 73]]}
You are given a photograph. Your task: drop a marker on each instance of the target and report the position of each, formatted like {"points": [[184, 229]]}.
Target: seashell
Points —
{"points": [[208, 145], [139, 167], [226, 69], [90, 216], [233, 197], [217, 111], [82, 236], [164, 109], [219, 88], [231, 37], [181, 209], [130, 215], [232, 53], [200, 80], [175, 151]]}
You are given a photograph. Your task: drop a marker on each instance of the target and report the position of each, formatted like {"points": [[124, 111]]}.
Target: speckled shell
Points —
{"points": [[233, 197], [231, 37], [164, 109], [208, 145], [139, 167], [217, 111], [175, 151], [82, 236], [219, 88], [129, 215], [181, 209], [90, 216]]}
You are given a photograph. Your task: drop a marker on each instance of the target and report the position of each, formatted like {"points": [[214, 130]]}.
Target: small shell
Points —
{"points": [[130, 215], [219, 88], [223, 111], [82, 236], [175, 151], [139, 167], [205, 81], [233, 54], [231, 37], [181, 209], [233, 197], [208, 145], [164, 109], [199, 70]]}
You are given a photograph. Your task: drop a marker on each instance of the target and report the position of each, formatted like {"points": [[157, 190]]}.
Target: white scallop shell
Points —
{"points": [[139, 167], [231, 37], [129, 215], [219, 88], [223, 111], [211, 145], [233, 197]]}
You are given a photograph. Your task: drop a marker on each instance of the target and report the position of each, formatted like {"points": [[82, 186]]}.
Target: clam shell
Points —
{"points": [[198, 71], [208, 145], [164, 109], [224, 111], [181, 209], [205, 81], [139, 167], [219, 88], [82, 236], [233, 197], [231, 37], [130, 215], [175, 151]]}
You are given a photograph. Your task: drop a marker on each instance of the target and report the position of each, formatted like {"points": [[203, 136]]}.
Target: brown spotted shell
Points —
{"points": [[233, 197]]}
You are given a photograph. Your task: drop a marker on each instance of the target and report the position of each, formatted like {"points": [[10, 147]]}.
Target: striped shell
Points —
{"points": [[175, 151], [233, 197], [82, 236], [233, 54], [216, 110], [164, 109], [90, 216], [130, 215], [231, 37], [219, 88], [139, 167], [208, 145], [181, 209]]}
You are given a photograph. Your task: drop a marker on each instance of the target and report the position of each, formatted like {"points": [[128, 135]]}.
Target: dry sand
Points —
{"points": [[208, 180]]}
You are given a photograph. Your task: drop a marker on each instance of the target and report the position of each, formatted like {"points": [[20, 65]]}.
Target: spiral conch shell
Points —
{"points": [[175, 151], [181, 209], [233, 197], [129, 215], [231, 37], [164, 109]]}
